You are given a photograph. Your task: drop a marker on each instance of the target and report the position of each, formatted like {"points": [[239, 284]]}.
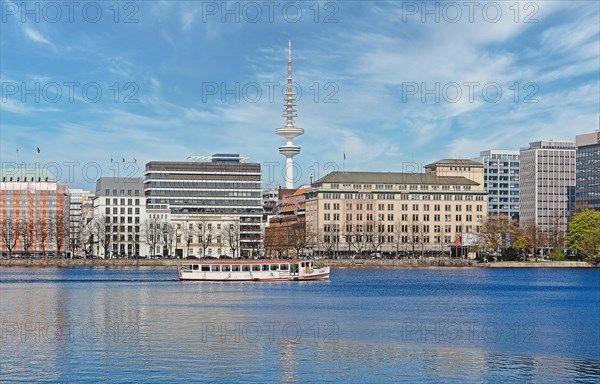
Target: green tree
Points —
{"points": [[523, 244], [584, 234]]}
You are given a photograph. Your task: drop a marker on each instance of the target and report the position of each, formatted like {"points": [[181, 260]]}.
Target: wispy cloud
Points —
{"points": [[35, 36]]}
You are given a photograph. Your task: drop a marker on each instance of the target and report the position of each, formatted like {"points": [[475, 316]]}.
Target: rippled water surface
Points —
{"points": [[443, 325]]}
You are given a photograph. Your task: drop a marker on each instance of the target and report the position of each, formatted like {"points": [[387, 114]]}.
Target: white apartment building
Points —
{"points": [[119, 212], [547, 184], [77, 199]]}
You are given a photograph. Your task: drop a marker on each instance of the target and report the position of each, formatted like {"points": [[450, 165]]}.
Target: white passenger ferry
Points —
{"points": [[256, 270]]}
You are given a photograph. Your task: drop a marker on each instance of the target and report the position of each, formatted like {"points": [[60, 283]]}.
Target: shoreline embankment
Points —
{"points": [[334, 263]]}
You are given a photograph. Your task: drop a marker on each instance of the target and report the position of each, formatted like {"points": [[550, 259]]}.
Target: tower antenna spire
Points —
{"points": [[289, 132]]}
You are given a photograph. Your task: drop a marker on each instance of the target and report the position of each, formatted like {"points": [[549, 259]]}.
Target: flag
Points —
{"points": [[111, 160], [134, 160], [344, 156], [17, 150], [123, 159], [38, 150]]}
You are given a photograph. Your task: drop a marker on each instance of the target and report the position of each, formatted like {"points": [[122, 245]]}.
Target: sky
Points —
{"points": [[382, 86]]}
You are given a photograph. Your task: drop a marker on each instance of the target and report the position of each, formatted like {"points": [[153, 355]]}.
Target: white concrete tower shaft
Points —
{"points": [[289, 131]]}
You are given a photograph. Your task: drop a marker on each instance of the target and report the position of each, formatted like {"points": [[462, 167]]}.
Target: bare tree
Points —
{"points": [[398, 237], [298, 237], [361, 238], [57, 231], [205, 234], [376, 235], [9, 233], [231, 233], [188, 237], [102, 234], [27, 232], [169, 234], [42, 233], [152, 233]]}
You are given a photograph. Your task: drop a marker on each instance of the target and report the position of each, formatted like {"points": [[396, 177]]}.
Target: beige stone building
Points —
{"points": [[377, 212]]}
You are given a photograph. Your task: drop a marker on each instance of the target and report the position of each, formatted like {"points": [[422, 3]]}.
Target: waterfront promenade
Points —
{"points": [[334, 263]]}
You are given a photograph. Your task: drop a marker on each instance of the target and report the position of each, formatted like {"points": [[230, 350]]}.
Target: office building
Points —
{"points": [[358, 212], [222, 192], [501, 181], [547, 184], [588, 170]]}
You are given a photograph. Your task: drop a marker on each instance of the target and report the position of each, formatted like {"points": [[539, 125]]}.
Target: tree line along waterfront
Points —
{"points": [[501, 239]]}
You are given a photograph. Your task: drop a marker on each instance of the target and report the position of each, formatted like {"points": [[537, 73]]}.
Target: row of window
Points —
{"points": [[237, 267], [403, 207], [404, 217], [402, 187], [122, 192]]}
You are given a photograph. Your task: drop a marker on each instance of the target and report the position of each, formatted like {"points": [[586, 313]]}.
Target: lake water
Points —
{"points": [[422, 325]]}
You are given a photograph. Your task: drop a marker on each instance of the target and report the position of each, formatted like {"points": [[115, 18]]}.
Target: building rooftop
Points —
{"points": [[22, 174], [393, 178], [455, 162]]}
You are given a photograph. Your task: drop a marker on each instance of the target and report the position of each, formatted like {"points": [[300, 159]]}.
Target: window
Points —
{"points": [[205, 268], [245, 268], [216, 268], [274, 267], [225, 268], [256, 268]]}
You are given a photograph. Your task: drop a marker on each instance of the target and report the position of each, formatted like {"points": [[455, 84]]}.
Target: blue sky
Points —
{"points": [[173, 61]]}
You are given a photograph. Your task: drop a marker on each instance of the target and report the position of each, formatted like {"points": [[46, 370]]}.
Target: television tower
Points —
{"points": [[289, 132]]}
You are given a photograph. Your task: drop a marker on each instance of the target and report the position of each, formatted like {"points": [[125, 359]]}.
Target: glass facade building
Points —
{"points": [[588, 170], [501, 181]]}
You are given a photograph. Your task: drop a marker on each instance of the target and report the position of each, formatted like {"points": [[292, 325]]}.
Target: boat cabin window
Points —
{"points": [[226, 268], [265, 267], [302, 265], [195, 267], [256, 268], [205, 268], [245, 268], [186, 267], [216, 268], [274, 267], [284, 267], [235, 268]]}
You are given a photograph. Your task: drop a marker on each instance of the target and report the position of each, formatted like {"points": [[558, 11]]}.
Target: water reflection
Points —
{"points": [[141, 324]]}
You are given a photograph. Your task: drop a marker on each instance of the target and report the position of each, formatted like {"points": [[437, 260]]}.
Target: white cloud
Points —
{"points": [[35, 35]]}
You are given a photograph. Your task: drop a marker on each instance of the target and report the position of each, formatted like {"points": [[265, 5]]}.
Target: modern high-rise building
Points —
{"points": [[34, 210], [359, 212], [588, 170], [221, 190], [119, 212], [547, 184], [501, 181], [289, 132], [77, 199]]}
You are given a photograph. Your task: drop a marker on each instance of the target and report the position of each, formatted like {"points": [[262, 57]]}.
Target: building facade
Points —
{"points": [[119, 212], [501, 181], [358, 212], [34, 212], [547, 184], [221, 190], [588, 170], [286, 236], [78, 198]]}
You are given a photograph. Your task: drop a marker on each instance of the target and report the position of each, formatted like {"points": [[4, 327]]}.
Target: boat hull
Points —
{"points": [[320, 275], [271, 270]]}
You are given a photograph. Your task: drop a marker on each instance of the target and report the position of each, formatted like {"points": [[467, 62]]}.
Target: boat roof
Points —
{"points": [[271, 261]]}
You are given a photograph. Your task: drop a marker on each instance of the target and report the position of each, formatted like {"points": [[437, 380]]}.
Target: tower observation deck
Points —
{"points": [[289, 132]]}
